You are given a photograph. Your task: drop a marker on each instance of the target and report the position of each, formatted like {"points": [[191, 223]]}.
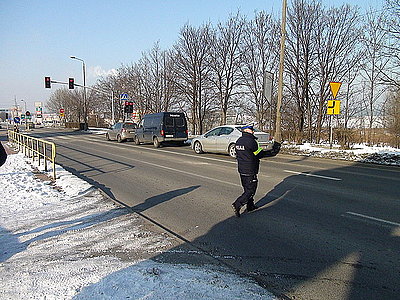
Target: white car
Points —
{"points": [[222, 139]]}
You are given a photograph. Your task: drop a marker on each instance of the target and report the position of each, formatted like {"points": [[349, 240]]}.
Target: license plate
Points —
{"points": [[169, 135]]}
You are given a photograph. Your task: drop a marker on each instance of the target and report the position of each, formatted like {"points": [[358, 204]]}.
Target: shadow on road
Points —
{"points": [[153, 201], [297, 246]]}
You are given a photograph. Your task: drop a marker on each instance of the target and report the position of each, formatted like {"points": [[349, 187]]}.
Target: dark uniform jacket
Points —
{"points": [[3, 155], [248, 153]]}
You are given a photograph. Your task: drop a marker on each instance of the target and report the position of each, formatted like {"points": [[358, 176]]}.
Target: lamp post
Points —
{"points": [[278, 133], [84, 91]]}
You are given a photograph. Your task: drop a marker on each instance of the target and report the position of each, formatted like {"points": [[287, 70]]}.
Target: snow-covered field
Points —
{"points": [[72, 243], [358, 153]]}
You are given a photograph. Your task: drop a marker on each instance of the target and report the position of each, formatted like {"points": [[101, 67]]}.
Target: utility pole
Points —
{"points": [[278, 133]]}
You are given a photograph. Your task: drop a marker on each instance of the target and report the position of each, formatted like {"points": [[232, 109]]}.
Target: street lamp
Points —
{"points": [[84, 91], [278, 133]]}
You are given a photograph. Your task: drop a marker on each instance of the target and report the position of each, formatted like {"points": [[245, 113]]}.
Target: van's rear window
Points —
{"points": [[174, 121], [169, 122], [179, 122]]}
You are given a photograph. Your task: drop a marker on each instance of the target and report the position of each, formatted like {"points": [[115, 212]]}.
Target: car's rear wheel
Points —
{"points": [[156, 142], [137, 142], [107, 137], [198, 148], [119, 138], [232, 150]]}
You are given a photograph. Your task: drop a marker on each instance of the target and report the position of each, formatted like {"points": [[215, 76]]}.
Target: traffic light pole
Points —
{"points": [[96, 90]]}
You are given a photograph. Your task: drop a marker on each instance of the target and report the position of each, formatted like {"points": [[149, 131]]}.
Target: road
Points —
{"points": [[326, 229]]}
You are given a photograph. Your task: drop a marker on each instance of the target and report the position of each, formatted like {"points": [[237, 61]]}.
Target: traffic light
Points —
{"points": [[47, 82], [71, 83], [28, 113], [130, 107]]}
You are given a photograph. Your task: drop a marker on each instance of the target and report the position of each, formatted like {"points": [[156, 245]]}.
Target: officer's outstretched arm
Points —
{"points": [[276, 147]]}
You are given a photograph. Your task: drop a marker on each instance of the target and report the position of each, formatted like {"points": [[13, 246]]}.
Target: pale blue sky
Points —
{"points": [[38, 37]]}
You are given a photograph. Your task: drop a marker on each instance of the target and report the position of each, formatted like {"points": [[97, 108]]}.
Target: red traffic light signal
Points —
{"points": [[28, 113], [47, 82], [71, 83]]}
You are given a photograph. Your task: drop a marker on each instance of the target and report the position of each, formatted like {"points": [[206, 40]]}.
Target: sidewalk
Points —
{"points": [[71, 242]]}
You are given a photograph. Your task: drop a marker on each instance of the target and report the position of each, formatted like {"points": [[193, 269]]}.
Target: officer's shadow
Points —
{"points": [[275, 196]]}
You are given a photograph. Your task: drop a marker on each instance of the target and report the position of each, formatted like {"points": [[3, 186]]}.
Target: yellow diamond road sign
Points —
{"points": [[335, 86], [333, 107]]}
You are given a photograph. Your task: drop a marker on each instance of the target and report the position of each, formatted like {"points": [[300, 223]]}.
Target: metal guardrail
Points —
{"points": [[35, 148]]}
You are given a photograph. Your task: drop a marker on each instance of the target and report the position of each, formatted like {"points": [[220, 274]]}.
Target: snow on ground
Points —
{"points": [[358, 153], [72, 243]]}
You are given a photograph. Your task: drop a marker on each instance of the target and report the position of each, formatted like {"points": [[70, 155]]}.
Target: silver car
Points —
{"points": [[121, 131], [222, 139]]}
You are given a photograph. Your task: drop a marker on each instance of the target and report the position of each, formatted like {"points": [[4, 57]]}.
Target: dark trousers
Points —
{"points": [[249, 184]]}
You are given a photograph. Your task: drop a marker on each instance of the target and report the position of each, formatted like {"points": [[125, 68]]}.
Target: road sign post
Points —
{"points": [[333, 107]]}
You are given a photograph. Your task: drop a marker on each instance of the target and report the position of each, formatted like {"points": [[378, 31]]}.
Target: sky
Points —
{"points": [[38, 37]]}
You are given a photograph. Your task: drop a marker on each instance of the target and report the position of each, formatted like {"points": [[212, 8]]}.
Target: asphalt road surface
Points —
{"points": [[325, 230]]}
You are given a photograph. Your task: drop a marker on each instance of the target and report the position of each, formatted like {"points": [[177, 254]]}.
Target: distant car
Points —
{"points": [[121, 131], [222, 139], [160, 128]]}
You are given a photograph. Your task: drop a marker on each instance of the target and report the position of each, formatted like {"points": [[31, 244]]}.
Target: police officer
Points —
{"points": [[248, 154]]}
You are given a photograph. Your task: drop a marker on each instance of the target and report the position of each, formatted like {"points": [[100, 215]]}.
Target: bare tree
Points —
{"points": [[117, 84], [225, 61], [70, 101], [156, 79], [259, 57], [392, 48], [303, 19], [374, 39], [193, 73], [392, 114], [338, 52]]}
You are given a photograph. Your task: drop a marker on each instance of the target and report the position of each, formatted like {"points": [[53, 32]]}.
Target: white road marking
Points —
{"points": [[63, 137], [373, 218], [313, 175], [165, 167]]}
